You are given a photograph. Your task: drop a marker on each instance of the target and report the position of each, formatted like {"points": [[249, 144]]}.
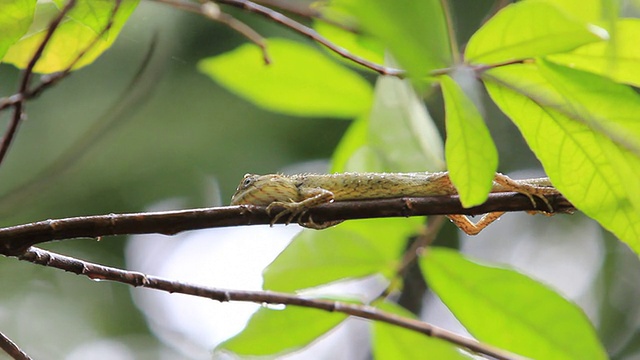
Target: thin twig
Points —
{"points": [[25, 93], [124, 107], [137, 279], [51, 79], [424, 239], [312, 34], [294, 25], [212, 11], [12, 349], [16, 239], [18, 108], [306, 11], [453, 41]]}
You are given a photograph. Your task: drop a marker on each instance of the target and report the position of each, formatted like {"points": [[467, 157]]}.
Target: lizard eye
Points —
{"points": [[248, 180]]}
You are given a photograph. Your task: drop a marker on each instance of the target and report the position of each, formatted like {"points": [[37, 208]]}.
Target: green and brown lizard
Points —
{"points": [[296, 194]]}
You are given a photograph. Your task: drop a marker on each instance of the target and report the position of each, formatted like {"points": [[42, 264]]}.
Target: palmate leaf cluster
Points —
{"points": [[562, 71]]}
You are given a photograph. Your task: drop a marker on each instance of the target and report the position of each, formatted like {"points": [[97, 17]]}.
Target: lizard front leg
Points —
{"points": [[312, 198]]}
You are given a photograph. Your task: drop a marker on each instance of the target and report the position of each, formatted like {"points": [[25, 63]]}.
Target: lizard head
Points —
{"points": [[264, 189]]}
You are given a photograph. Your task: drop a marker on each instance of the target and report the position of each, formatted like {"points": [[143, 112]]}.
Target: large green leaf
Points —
{"points": [[528, 29], [394, 342], [597, 175], [618, 59], [600, 103], [300, 80], [472, 157], [15, 18], [349, 250], [415, 31], [272, 332], [591, 11], [71, 38], [507, 309]]}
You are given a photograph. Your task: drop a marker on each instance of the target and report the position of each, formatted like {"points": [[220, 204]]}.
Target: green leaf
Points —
{"points": [[93, 14], [415, 31], [271, 332], [618, 59], [597, 175], [507, 309], [70, 39], [401, 130], [350, 250], [526, 30], [394, 342], [472, 157], [354, 139], [300, 80], [601, 104], [591, 11], [15, 18], [398, 135], [357, 44]]}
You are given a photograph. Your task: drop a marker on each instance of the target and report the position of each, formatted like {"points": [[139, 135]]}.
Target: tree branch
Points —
{"points": [[17, 239], [137, 279], [290, 23], [12, 349], [311, 34]]}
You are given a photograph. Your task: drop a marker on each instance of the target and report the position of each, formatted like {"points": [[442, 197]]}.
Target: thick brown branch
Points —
{"points": [[12, 349], [96, 271], [16, 239]]}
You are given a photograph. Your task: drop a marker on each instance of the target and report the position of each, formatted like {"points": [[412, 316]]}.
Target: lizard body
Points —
{"points": [[298, 193]]}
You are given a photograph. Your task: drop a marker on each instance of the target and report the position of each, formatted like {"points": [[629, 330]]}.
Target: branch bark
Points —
{"points": [[137, 279], [12, 349], [16, 240]]}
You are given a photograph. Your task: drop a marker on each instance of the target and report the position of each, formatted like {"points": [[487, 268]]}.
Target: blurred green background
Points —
{"points": [[173, 143]]}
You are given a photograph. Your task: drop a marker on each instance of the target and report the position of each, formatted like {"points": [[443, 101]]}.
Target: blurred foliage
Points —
{"points": [[185, 131]]}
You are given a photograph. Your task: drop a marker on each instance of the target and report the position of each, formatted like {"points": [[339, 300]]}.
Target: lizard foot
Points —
{"points": [[292, 210], [527, 190], [318, 226]]}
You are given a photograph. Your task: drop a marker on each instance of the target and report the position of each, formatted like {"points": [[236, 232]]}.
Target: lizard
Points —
{"points": [[296, 194]]}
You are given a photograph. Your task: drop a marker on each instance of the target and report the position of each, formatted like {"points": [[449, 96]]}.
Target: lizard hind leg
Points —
{"points": [[525, 189], [463, 223]]}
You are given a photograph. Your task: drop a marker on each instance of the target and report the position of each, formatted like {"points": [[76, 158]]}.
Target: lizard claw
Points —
{"points": [[527, 190], [318, 226], [294, 211], [290, 209], [531, 195]]}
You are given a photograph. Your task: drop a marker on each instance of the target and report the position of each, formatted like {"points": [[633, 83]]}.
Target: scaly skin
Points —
{"points": [[298, 193]]}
